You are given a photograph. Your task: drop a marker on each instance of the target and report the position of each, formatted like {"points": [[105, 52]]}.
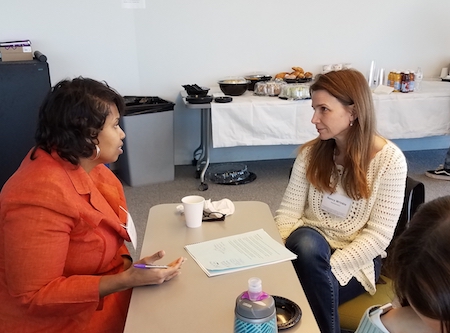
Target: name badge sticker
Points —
{"points": [[336, 204], [131, 229]]}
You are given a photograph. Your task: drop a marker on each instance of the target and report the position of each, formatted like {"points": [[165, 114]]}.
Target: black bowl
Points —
{"points": [[233, 89]]}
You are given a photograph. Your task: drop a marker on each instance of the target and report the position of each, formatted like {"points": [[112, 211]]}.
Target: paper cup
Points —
{"points": [[444, 72], [347, 65], [193, 210], [326, 68], [337, 67]]}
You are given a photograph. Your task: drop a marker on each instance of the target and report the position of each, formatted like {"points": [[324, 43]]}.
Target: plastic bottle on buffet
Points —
{"points": [[389, 79], [405, 82], [397, 81], [391, 83], [419, 77], [412, 80]]}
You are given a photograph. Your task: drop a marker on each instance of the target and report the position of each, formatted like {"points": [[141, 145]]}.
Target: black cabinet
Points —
{"points": [[23, 87]]}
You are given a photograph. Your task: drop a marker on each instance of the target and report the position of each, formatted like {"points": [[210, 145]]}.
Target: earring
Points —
{"points": [[97, 153], [351, 123]]}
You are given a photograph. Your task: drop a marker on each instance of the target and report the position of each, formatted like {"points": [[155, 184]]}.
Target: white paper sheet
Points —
{"points": [[239, 252]]}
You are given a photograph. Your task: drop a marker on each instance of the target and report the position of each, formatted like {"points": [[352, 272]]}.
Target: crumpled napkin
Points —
{"points": [[224, 206]]}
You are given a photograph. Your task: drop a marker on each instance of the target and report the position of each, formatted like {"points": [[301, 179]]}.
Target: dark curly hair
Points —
{"points": [[419, 262], [72, 115]]}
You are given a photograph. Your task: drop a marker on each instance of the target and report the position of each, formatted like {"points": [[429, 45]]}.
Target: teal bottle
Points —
{"points": [[255, 310]]}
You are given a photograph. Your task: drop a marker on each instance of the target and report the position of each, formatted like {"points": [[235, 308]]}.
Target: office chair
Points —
{"points": [[351, 312]]}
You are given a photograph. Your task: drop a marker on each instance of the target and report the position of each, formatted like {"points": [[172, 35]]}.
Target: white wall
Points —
{"points": [[153, 51]]}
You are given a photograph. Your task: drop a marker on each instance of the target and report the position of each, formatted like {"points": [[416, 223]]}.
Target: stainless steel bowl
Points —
{"points": [[255, 78]]}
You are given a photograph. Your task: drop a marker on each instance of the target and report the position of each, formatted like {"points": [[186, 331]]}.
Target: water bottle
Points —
{"points": [[418, 79], [255, 310], [412, 80]]}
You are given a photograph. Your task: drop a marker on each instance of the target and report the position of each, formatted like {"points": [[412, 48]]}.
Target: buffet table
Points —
{"points": [[254, 120], [251, 120]]}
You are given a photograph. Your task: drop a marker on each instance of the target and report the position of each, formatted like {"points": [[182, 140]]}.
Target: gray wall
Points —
{"points": [[153, 51]]}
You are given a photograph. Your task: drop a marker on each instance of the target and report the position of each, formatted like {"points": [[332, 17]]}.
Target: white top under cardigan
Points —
{"points": [[366, 231]]}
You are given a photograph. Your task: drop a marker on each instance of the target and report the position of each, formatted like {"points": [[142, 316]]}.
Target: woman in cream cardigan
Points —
{"points": [[344, 197]]}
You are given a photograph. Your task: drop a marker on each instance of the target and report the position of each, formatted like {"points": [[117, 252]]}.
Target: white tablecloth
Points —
{"points": [[255, 120]]}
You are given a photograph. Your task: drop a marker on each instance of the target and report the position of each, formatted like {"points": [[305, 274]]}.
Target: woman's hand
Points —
{"points": [[134, 277], [155, 275]]}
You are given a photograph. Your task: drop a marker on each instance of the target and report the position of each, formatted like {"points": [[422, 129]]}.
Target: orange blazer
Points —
{"points": [[61, 231]]}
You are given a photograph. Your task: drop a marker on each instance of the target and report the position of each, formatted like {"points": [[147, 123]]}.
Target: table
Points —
{"points": [[254, 120], [193, 302]]}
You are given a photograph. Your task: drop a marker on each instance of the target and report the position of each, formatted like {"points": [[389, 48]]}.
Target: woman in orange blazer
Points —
{"points": [[64, 266]]}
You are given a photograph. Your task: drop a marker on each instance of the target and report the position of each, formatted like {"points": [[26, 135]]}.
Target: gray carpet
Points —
{"points": [[269, 186]]}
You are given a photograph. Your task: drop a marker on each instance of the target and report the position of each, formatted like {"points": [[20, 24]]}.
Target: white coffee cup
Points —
{"points": [[326, 69], [337, 67], [193, 210], [444, 72], [347, 65]]}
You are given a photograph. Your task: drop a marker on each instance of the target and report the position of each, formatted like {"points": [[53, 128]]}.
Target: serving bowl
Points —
{"points": [[255, 78], [233, 86]]}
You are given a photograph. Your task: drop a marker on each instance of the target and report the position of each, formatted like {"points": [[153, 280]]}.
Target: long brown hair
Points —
{"points": [[351, 89], [419, 263]]}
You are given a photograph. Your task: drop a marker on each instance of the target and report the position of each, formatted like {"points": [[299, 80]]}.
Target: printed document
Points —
{"points": [[239, 252]]}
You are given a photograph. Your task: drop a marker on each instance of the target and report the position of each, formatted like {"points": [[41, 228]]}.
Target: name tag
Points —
{"points": [[131, 229], [336, 204]]}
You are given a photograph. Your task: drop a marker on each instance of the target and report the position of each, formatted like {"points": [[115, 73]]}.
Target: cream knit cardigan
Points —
{"points": [[369, 226]]}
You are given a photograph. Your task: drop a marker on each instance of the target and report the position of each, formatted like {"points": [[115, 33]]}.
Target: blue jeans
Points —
{"points": [[314, 272]]}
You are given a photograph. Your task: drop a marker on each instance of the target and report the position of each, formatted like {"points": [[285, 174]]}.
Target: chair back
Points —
{"points": [[414, 197]]}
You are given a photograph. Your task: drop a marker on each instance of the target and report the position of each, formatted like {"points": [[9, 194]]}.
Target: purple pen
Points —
{"points": [[144, 266]]}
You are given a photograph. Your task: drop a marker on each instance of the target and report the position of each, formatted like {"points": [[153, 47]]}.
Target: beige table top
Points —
{"points": [[194, 302]]}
